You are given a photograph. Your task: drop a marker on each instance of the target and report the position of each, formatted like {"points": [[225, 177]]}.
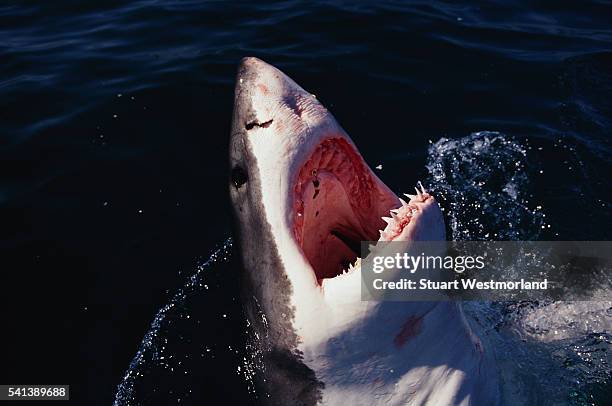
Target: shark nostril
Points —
{"points": [[252, 124]]}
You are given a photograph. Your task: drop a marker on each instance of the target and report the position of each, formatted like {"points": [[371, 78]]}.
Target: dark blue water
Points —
{"points": [[114, 124]]}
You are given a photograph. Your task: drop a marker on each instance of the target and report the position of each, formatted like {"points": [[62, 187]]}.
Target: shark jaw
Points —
{"points": [[326, 199], [338, 202], [303, 200]]}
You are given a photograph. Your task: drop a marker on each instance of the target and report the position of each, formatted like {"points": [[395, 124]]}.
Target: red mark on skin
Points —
{"points": [[263, 88], [411, 328]]}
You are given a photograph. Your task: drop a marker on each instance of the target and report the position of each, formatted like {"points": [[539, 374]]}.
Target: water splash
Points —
{"points": [[198, 336], [482, 183], [547, 352]]}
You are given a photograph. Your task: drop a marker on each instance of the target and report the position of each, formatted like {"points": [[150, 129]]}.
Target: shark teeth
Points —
{"points": [[420, 192], [399, 217], [352, 266], [356, 265]]}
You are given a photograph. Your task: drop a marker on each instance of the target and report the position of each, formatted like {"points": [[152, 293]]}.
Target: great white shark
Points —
{"points": [[303, 198]]}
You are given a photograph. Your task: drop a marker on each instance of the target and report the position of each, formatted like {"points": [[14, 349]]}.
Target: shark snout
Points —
{"points": [[267, 96], [250, 70], [252, 62], [261, 80]]}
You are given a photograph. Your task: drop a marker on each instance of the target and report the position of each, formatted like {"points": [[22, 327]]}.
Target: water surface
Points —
{"points": [[114, 124]]}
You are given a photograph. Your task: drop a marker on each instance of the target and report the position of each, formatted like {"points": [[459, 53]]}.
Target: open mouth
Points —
{"points": [[338, 202]]}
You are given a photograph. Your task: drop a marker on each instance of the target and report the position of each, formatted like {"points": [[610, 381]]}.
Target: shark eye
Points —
{"points": [[239, 176]]}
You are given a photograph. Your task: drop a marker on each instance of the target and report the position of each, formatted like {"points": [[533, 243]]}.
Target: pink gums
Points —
{"points": [[334, 155]]}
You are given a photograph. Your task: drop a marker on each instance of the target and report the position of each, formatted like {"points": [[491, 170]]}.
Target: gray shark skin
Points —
{"points": [[303, 198]]}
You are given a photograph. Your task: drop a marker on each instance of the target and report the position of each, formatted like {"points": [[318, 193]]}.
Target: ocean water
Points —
{"points": [[114, 124]]}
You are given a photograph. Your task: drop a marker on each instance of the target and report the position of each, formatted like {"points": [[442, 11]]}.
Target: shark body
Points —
{"points": [[303, 198]]}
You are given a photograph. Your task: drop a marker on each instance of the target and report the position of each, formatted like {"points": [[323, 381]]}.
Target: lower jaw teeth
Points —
{"points": [[353, 266]]}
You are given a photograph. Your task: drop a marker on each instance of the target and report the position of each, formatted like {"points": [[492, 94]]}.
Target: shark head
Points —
{"points": [[303, 199]]}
